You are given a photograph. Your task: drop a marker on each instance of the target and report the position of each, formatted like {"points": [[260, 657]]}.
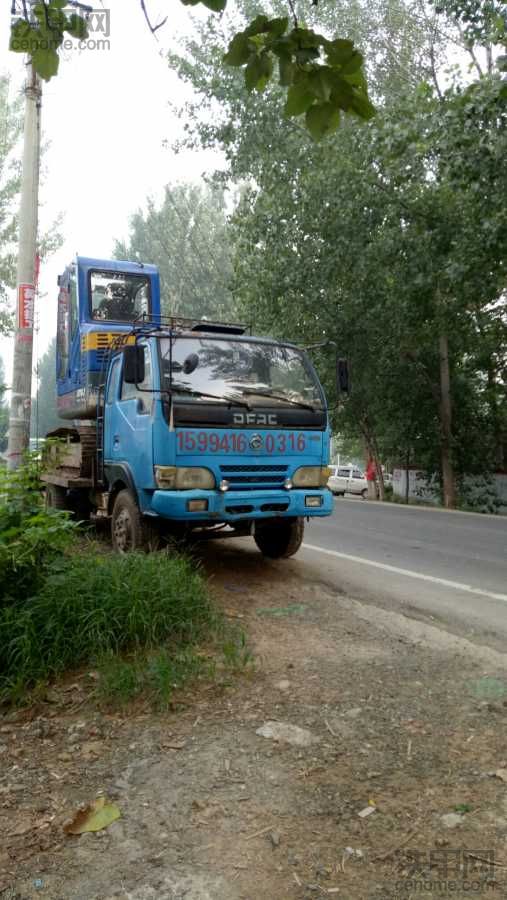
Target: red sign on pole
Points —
{"points": [[26, 295]]}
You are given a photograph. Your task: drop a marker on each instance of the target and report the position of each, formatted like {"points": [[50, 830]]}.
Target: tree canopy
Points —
{"points": [[187, 238], [388, 241]]}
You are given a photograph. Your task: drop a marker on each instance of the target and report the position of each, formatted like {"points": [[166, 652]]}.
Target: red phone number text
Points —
{"points": [[202, 442]]}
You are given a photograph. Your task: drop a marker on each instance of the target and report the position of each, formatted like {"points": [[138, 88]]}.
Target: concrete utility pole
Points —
{"points": [[21, 396]]}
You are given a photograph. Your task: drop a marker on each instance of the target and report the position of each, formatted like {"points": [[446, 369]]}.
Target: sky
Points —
{"points": [[105, 118]]}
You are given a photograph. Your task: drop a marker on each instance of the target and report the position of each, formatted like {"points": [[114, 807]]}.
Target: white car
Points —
{"points": [[347, 480]]}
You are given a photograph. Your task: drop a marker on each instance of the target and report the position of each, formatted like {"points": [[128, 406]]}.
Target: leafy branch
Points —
{"points": [[323, 77]]}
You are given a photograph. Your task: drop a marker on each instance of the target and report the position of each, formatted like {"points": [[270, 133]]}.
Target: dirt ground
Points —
{"points": [[389, 792]]}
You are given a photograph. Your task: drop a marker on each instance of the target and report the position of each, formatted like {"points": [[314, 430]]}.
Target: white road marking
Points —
{"points": [[456, 585]]}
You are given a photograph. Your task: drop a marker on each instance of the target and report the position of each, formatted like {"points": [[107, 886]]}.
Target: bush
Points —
{"points": [[95, 605], [31, 537]]}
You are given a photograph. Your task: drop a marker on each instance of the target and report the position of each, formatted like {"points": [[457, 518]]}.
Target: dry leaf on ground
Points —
{"points": [[95, 817]]}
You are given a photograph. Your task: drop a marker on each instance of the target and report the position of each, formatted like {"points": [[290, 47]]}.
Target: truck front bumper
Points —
{"points": [[233, 506]]}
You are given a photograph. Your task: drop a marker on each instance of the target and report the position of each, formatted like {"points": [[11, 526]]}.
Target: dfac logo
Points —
{"points": [[252, 418], [256, 442]]}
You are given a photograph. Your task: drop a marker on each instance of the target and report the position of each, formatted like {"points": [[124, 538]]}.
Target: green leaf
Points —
{"points": [[23, 36], [277, 27], [77, 27], [238, 51], [257, 26], [362, 106], [45, 62], [215, 5], [319, 82], [286, 68], [258, 72], [299, 98], [322, 119], [339, 51], [353, 64]]}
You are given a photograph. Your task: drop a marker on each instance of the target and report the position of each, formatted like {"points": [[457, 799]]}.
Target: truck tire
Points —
{"points": [[130, 530], [56, 497], [279, 539]]}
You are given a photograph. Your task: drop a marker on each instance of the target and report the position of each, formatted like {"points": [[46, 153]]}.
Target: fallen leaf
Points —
{"points": [[501, 773], [174, 745], [95, 817]]}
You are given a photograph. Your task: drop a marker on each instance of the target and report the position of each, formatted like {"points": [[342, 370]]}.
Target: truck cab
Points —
{"points": [[199, 427]]}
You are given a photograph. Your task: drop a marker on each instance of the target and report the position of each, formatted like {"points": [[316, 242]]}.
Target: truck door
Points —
{"points": [[130, 427], [110, 406]]}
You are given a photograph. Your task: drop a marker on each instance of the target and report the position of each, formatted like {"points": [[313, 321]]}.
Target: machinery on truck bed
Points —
{"points": [[179, 425]]}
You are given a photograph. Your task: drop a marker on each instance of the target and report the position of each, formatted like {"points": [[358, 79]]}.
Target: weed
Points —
{"points": [[31, 538], [119, 679], [156, 674], [236, 652], [93, 605]]}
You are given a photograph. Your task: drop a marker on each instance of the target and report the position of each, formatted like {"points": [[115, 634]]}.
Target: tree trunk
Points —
{"points": [[407, 483], [498, 431], [449, 489]]}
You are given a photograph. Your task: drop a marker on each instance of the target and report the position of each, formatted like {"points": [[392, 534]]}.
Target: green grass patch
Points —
{"points": [[92, 607], [154, 675]]}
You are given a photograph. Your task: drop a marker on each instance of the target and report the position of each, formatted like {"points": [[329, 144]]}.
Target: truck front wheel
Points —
{"points": [[129, 529], [279, 539]]}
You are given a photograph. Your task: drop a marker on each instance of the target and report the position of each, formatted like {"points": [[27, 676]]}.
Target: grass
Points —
{"points": [[155, 675], [95, 607]]}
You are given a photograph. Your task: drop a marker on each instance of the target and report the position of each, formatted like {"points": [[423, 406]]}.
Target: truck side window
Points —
{"points": [[113, 381], [131, 391]]}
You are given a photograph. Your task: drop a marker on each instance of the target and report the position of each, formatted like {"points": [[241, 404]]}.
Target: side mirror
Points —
{"points": [[342, 376], [191, 363], [133, 364]]}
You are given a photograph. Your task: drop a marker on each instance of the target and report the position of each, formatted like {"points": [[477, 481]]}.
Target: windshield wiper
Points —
{"points": [[182, 389], [279, 397]]}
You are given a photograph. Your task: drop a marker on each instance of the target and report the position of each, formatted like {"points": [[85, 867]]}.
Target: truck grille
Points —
{"points": [[251, 478]]}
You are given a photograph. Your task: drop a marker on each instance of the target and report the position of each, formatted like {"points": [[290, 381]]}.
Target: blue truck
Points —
{"points": [[176, 426]]}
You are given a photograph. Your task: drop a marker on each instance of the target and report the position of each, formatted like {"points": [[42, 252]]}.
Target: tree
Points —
{"points": [[10, 127], [323, 76], [45, 416], [187, 238], [390, 242]]}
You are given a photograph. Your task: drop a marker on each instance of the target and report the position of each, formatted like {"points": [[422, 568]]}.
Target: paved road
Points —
{"points": [[433, 564]]}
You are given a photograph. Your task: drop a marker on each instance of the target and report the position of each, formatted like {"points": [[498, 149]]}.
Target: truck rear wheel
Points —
{"points": [[279, 539], [130, 530]]}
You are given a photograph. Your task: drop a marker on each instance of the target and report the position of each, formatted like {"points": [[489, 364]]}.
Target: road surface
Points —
{"points": [[441, 566]]}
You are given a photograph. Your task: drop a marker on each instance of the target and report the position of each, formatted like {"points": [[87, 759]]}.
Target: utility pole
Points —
{"points": [[21, 385]]}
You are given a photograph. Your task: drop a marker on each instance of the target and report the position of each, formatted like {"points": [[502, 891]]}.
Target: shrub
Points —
{"points": [[102, 604], [31, 537]]}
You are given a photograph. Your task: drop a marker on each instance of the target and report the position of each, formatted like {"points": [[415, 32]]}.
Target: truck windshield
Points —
{"points": [[260, 374]]}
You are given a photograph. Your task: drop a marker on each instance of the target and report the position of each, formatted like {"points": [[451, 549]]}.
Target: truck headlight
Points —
{"points": [[311, 476], [184, 478]]}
